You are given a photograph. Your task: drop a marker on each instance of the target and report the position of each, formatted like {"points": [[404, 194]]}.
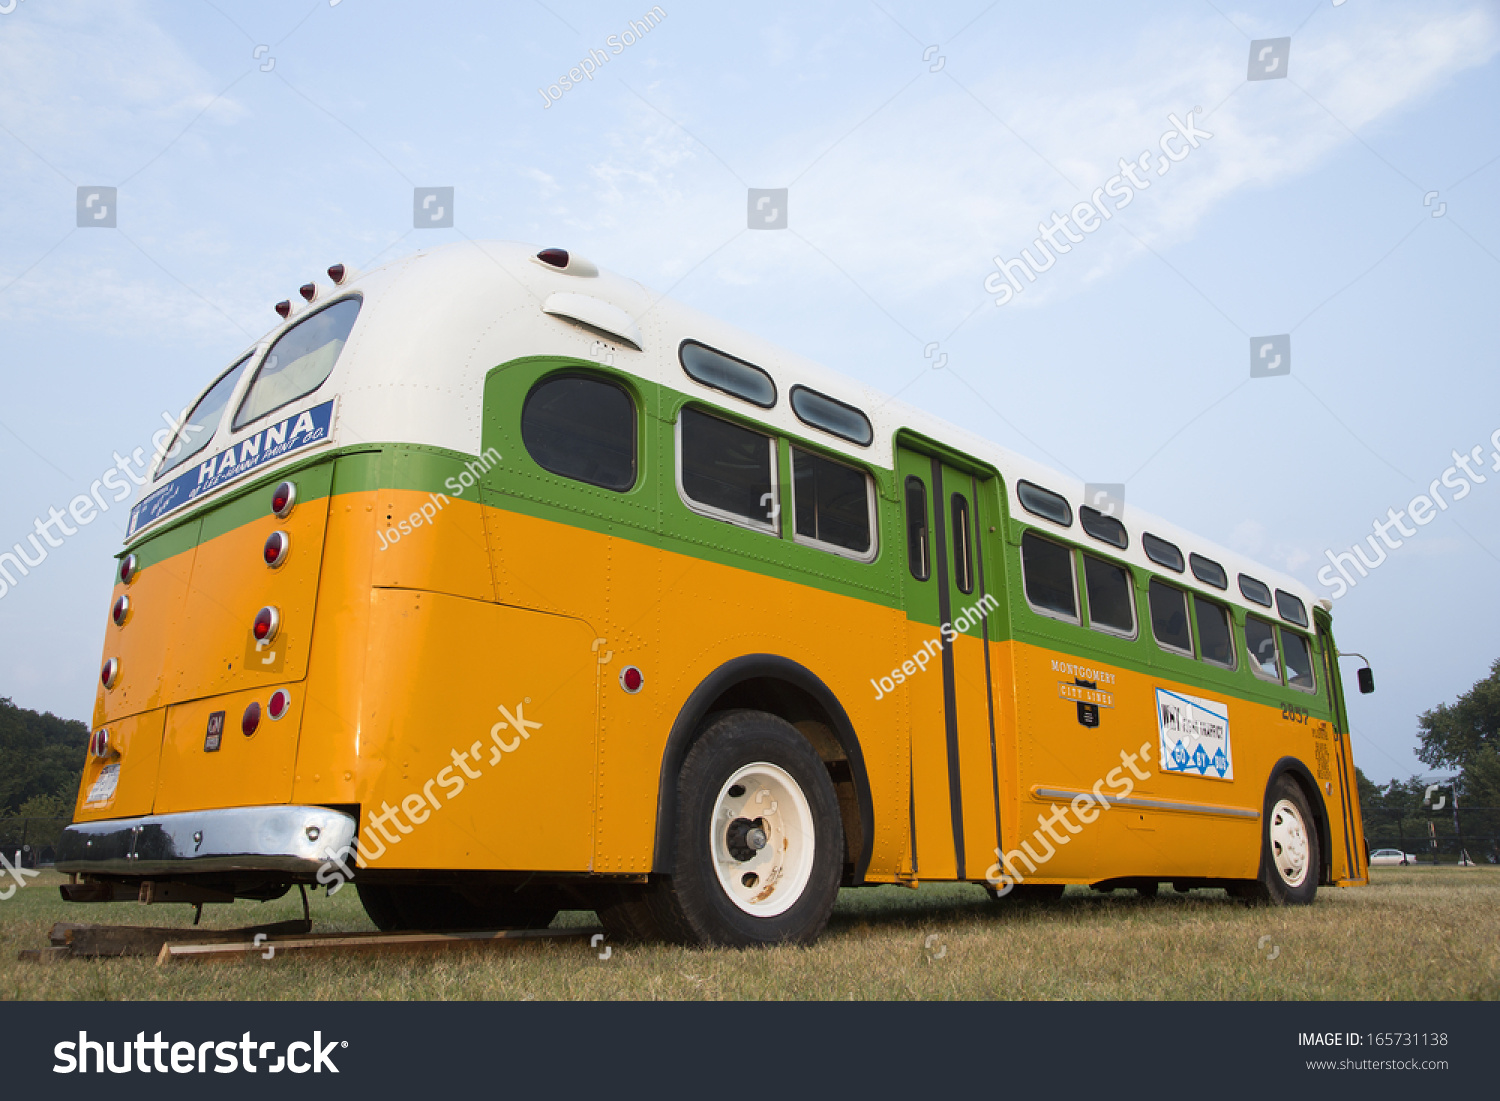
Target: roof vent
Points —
{"points": [[594, 313]]}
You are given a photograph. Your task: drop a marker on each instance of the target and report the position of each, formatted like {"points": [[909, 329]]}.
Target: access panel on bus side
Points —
{"points": [[477, 743]]}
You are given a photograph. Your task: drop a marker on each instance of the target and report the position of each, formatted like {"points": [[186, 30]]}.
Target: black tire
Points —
{"points": [[1147, 888], [1030, 892], [692, 906], [1279, 882], [438, 909]]}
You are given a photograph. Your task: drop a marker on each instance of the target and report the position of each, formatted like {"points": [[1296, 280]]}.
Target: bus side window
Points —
{"points": [[963, 547], [1169, 617], [581, 428], [727, 471], [1299, 664], [1111, 596], [916, 529], [1260, 643], [833, 505], [1215, 636], [1050, 580]]}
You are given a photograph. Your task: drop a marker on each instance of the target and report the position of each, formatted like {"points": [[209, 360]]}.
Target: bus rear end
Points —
{"points": [[213, 771]]}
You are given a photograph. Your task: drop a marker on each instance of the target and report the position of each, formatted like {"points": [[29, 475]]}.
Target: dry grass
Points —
{"points": [[1416, 933]]}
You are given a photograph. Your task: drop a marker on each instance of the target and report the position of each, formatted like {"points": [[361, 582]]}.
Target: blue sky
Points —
{"points": [[243, 172]]}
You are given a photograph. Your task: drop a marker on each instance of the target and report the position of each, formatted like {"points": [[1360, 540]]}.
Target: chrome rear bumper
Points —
{"points": [[237, 839]]}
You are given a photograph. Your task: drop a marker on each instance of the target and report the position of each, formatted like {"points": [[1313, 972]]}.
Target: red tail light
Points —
{"points": [[110, 674], [283, 497], [276, 549], [557, 257], [99, 743], [281, 699], [337, 273], [631, 679], [308, 291], [267, 623], [121, 611], [250, 722], [284, 308], [128, 566]]}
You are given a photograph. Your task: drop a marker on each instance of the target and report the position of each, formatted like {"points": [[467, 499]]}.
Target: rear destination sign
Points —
{"points": [[270, 443]]}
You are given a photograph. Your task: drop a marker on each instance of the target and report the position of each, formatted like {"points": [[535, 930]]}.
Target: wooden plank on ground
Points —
{"points": [[146, 940], [361, 943]]}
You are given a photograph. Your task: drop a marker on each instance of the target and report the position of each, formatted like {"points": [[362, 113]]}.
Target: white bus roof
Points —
{"points": [[434, 323]]}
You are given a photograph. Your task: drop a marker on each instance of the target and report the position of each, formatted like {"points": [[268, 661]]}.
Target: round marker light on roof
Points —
{"points": [[283, 497], [276, 549], [128, 566], [121, 611], [110, 674], [281, 699], [557, 257], [284, 308], [267, 623], [250, 721], [631, 679], [99, 743], [337, 273], [308, 291]]}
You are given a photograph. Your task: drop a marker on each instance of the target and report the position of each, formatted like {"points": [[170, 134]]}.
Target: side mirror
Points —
{"points": [[1366, 681]]}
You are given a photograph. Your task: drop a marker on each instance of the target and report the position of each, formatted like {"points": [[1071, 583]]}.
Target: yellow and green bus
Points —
{"points": [[494, 585]]}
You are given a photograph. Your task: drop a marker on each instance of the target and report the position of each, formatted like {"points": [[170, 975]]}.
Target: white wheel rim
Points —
{"points": [[766, 879], [1289, 843]]}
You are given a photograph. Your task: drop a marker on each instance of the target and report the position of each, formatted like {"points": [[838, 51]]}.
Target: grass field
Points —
{"points": [[1416, 933]]}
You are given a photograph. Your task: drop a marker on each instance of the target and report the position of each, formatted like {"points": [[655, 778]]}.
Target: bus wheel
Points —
{"points": [[760, 845], [1290, 858], [1147, 888]]}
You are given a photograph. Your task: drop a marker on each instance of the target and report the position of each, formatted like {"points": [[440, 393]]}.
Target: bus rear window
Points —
{"points": [[203, 421], [299, 362]]}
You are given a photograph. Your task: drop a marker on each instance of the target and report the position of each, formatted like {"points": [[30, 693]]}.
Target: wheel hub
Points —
{"points": [[763, 839], [1289, 843], [745, 838]]}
